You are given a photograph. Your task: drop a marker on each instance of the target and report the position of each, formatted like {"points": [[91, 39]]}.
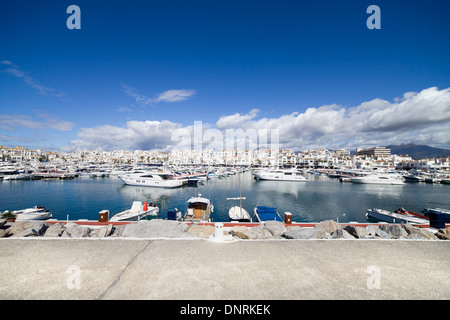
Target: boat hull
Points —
{"points": [[235, 214], [375, 180], [273, 176], [147, 182], [263, 214], [393, 217]]}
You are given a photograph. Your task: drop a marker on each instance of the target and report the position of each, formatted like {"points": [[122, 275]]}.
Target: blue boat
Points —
{"points": [[263, 214], [440, 211]]}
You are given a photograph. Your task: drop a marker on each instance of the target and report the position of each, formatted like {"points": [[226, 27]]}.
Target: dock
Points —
{"points": [[191, 270]]}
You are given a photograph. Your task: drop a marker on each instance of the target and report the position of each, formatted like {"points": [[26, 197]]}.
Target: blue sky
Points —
{"points": [[135, 64]]}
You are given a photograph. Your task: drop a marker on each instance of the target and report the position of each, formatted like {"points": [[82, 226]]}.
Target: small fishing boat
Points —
{"points": [[138, 211], [410, 213], [35, 213], [394, 217], [263, 214], [199, 209], [237, 213]]}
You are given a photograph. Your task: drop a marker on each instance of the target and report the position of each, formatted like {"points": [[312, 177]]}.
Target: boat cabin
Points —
{"points": [[199, 209]]}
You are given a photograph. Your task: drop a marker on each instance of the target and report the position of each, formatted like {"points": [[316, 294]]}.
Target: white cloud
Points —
{"points": [[15, 71], [166, 96], [135, 135], [236, 119], [13, 122], [174, 95], [419, 117]]}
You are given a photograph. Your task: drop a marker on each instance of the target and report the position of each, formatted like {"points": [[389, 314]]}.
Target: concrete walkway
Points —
{"points": [[198, 269]]}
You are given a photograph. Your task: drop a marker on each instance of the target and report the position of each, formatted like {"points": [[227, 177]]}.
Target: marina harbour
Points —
{"points": [[318, 198]]}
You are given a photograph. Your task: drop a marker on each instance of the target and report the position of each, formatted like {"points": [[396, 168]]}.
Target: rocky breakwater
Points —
{"points": [[172, 229], [331, 230]]}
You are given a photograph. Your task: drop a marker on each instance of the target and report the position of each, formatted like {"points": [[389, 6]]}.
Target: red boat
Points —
{"points": [[406, 212]]}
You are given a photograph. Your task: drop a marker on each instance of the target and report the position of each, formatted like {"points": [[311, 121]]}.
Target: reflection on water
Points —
{"points": [[320, 198]]}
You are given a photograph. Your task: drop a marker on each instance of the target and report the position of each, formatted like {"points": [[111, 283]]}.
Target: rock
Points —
{"points": [[26, 233], [395, 231], [341, 234], [17, 228], [54, 230], [259, 232], [28, 229], [239, 232], [355, 231], [73, 230], [382, 234], [276, 228], [202, 231], [418, 233], [2, 222], [443, 234], [3, 233], [371, 232], [117, 231], [156, 228], [329, 226], [305, 233], [102, 232]]}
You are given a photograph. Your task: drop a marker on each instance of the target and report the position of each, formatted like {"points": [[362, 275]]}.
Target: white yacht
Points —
{"points": [[151, 179], [137, 212], [18, 176], [379, 179], [280, 174], [36, 213]]}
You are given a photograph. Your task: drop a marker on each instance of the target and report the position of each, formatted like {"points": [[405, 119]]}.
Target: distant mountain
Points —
{"points": [[418, 151]]}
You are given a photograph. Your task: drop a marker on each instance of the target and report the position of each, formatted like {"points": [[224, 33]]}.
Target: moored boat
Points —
{"points": [[390, 179], [199, 209], [280, 174], [444, 212], [239, 214], [138, 211], [151, 179], [263, 213], [35, 213], [394, 217]]}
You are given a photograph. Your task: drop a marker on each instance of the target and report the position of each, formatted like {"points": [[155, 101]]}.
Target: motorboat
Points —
{"points": [[151, 179], [404, 211], [35, 213], [391, 179], [263, 214], [138, 211], [280, 174], [394, 217], [18, 176], [199, 209], [444, 212]]}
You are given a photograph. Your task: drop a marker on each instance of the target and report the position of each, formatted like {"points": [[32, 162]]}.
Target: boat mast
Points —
{"points": [[240, 196]]}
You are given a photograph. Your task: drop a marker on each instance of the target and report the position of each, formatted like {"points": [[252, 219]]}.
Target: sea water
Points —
{"points": [[320, 198]]}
